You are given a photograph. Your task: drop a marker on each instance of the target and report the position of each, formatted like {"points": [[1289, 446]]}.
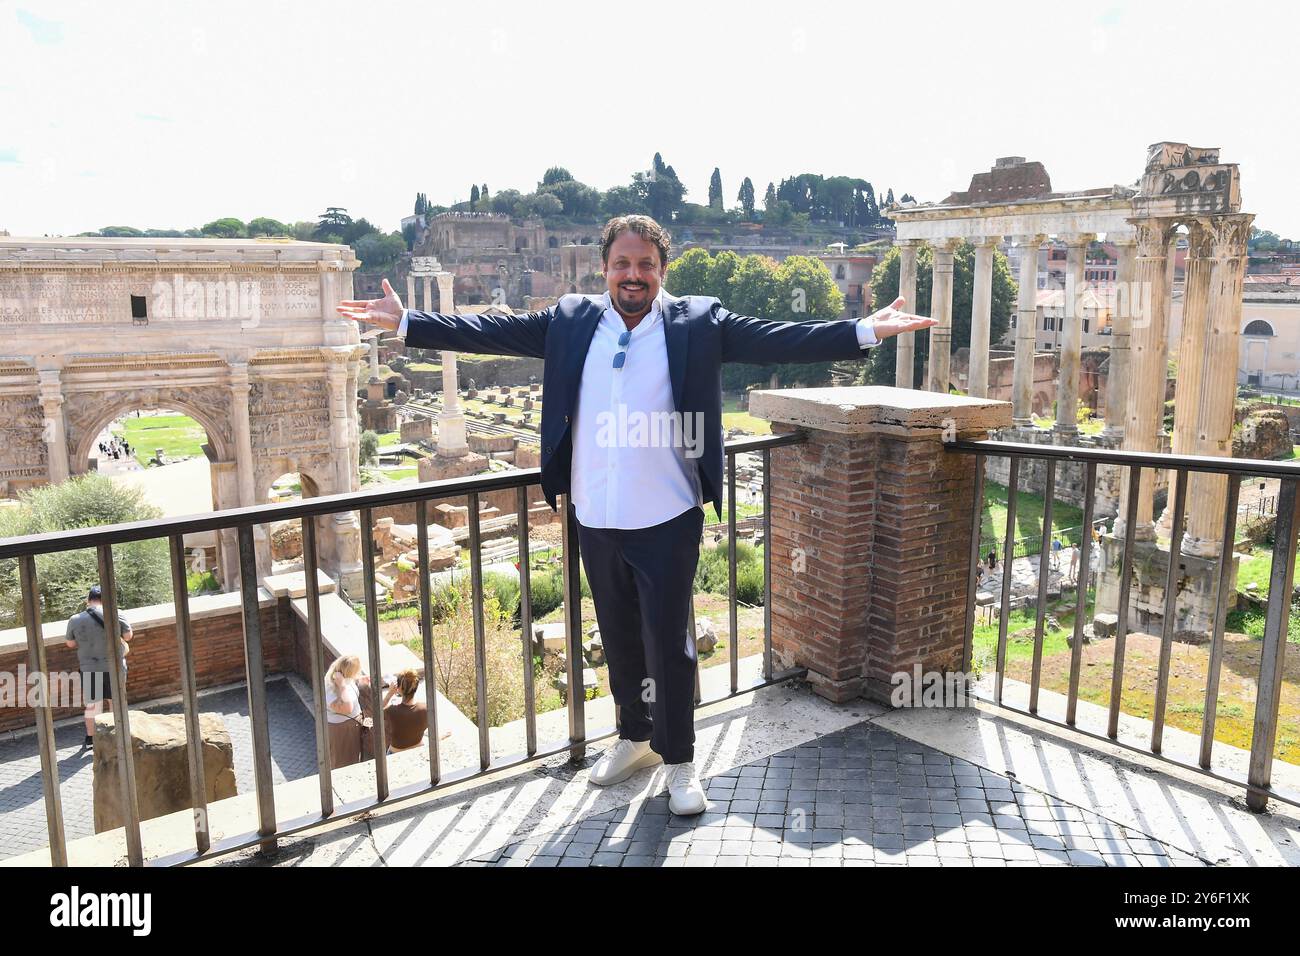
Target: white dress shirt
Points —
{"points": [[635, 459]]}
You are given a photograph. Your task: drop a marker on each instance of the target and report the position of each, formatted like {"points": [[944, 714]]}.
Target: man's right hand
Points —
{"points": [[385, 313]]}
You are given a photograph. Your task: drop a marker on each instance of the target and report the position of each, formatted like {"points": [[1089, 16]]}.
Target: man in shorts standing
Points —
{"points": [[87, 635]]}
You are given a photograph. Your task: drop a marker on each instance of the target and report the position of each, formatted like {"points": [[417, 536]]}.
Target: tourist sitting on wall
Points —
{"points": [[86, 634], [343, 710], [405, 721]]}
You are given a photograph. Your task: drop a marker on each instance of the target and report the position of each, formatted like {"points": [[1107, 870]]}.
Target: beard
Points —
{"points": [[632, 300]]}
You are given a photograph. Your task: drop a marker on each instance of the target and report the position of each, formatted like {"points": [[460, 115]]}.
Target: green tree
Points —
{"points": [[473, 195], [715, 189], [332, 225], [746, 199], [379, 253], [769, 198], [688, 274], [556, 174], [368, 447], [804, 290], [141, 568], [229, 228], [262, 226]]}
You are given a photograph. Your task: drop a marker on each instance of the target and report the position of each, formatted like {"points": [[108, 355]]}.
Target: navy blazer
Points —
{"points": [[700, 336]]}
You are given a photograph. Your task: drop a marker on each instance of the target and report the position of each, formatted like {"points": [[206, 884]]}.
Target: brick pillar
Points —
{"points": [[871, 531]]}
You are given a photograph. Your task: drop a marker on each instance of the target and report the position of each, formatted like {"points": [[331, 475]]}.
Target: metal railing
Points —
{"points": [[308, 511], [1258, 780]]}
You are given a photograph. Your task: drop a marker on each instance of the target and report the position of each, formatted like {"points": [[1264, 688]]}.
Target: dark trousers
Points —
{"points": [[641, 582]]}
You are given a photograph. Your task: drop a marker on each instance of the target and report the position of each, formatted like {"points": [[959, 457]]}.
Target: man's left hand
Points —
{"points": [[892, 320]]}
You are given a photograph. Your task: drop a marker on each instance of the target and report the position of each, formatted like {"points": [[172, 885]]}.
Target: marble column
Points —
{"points": [[341, 533], [1227, 267], [905, 360], [940, 363], [1188, 388], [1147, 370], [410, 291], [1022, 395], [54, 430], [428, 294], [1121, 324], [240, 386], [239, 389], [977, 379], [451, 421], [1072, 312]]}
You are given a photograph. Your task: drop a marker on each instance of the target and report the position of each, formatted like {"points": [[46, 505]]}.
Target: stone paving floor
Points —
{"points": [[22, 804], [862, 796]]}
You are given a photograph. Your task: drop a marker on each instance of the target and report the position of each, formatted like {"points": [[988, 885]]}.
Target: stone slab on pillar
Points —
{"points": [[905, 357], [1022, 390], [872, 521], [940, 359], [977, 381]]}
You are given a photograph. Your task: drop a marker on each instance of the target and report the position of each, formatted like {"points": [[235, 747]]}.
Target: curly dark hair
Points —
{"points": [[643, 226]]}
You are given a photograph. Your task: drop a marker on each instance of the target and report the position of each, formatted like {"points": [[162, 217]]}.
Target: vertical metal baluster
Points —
{"points": [[1008, 556], [36, 664], [733, 639], [426, 637], [480, 637], [255, 675], [573, 631], [378, 736], [1220, 613], [1171, 610], [972, 578], [1044, 572], [526, 618], [189, 691], [699, 693], [1081, 590], [316, 658], [121, 717], [1269, 694], [1121, 603], [767, 564]]}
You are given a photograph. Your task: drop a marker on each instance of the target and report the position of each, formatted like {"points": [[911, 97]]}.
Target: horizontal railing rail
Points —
{"points": [[242, 521], [1258, 779]]}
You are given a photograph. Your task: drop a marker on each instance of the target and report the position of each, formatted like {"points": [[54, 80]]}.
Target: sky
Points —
{"points": [[170, 115]]}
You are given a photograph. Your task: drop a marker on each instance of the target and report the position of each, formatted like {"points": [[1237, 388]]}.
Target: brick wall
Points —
{"points": [[872, 521], [153, 666]]}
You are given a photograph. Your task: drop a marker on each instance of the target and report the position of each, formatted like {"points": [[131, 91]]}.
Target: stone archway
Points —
{"points": [[241, 335]]}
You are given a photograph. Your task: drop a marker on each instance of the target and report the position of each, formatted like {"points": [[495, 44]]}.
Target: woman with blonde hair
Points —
{"points": [[343, 710]]}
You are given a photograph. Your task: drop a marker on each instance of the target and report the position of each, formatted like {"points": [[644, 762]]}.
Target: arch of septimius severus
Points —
{"points": [[1184, 192], [240, 334]]}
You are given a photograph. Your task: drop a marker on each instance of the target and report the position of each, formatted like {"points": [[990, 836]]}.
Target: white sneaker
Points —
{"points": [[622, 760], [685, 794]]}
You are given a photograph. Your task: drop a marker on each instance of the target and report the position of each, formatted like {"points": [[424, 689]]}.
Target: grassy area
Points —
{"points": [[1187, 673], [1029, 515], [399, 474], [1090, 426], [179, 436], [1255, 569], [733, 416]]}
